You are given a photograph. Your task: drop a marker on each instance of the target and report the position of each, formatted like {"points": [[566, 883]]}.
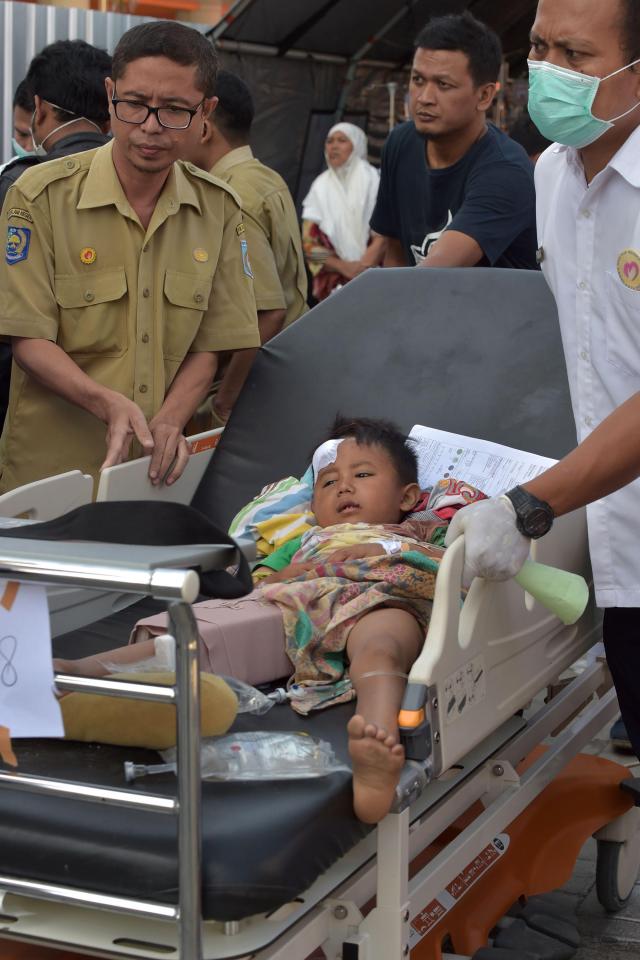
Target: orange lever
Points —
{"points": [[411, 718]]}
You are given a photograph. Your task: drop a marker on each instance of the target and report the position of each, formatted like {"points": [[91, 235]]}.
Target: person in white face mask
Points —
{"points": [[69, 111], [21, 141], [584, 93]]}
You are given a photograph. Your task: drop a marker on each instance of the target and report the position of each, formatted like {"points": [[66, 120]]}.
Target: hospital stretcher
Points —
{"points": [[495, 801]]}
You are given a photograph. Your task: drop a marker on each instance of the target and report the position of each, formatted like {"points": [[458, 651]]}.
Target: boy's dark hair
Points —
{"points": [[166, 38], [470, 36], [379, 433], [235, 110], [23, 97], [630, 28], [71, 74]]}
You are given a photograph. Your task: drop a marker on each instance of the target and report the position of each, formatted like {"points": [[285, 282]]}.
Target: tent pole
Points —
{"points": [[361, 53], [230, 17]]}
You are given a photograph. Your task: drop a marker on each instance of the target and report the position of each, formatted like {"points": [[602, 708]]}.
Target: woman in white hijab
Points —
{"points": [[336, 212]]}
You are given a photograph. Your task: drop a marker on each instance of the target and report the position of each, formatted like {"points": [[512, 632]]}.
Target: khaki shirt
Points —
{"points": [[126, 304], [273, 232]]}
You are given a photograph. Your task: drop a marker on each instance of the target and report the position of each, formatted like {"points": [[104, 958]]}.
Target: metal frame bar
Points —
{"points": [[179, 587], [230, 17], [359, 55]]}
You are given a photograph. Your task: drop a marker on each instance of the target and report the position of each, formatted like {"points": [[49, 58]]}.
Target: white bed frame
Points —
{"points": [[73, 608]]}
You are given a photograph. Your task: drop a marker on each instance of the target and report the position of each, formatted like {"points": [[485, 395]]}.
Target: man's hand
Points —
{"points": [[494, 547], [125, 420], [170, 451], [352, 268]]}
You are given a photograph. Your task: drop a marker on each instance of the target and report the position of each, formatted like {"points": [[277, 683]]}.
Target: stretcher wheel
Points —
{"points": [[616, 871]]}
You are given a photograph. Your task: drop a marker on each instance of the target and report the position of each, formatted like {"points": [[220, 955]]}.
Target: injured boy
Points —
{"points": [[353, 605]]}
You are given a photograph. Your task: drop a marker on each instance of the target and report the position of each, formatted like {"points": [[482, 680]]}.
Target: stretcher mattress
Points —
{"points": [[475, 351], [262, 845]]}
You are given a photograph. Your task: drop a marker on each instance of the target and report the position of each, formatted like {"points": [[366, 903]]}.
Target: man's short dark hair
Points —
{"points": [[23, 97], [630, 28], [71, 74], [470, 36], [235, 110], [379, 433], [165, 38]]}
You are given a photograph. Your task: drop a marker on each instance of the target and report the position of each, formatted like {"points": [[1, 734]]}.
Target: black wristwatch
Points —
{"points": [[534, 517]]}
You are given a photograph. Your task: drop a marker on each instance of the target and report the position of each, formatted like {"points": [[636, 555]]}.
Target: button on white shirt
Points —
{"points": [[584, 231]]}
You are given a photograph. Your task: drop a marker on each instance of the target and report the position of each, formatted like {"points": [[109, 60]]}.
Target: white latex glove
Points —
{"points": [[494, 547]]}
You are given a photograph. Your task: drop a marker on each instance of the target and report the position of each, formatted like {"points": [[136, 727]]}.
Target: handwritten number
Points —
{"points": [[8, 673]]}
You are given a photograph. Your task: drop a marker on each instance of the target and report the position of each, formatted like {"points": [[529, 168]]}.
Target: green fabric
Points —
{"points": [[281, 557]]}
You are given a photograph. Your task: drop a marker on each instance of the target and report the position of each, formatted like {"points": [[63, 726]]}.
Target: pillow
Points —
{"points": [[142, 723]]}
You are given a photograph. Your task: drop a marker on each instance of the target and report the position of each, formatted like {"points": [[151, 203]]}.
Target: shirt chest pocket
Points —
{"points": [[93, 313], [186, 297], [623, 326]]}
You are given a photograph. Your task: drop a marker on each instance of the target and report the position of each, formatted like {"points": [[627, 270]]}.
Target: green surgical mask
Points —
{"points": [[560, 103]]}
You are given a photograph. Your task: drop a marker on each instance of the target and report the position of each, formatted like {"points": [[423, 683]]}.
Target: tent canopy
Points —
{"points": [[382, 31]]}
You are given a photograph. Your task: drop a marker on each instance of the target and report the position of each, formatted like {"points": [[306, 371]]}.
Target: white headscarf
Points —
{"points": [[341, 200]]}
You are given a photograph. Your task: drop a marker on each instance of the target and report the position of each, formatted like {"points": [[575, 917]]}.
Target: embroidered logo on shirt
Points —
{"points": [[88, 255], [629, 269], [200, 255], [245, 259], [19, 214], [18, 240]]}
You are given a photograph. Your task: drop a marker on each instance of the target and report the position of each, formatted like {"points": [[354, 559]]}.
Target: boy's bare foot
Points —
{"points": [[377, 760]]}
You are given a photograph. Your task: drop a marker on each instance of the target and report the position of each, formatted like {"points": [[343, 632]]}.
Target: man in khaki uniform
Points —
{"points": [[273, 232], [125, 274]]}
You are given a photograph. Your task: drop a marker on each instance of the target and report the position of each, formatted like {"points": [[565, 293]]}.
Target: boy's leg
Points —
{"points": [[383, 644], [101, 664], [240, 638]]}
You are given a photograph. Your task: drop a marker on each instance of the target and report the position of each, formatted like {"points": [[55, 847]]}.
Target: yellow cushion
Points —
{"points": [[142, 723]]}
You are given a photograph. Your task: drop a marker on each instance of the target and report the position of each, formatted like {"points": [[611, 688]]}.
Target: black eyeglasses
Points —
{"points": [[174, 118]]}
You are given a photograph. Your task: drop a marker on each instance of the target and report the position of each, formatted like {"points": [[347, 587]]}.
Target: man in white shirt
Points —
{"points": [[585, 95]]}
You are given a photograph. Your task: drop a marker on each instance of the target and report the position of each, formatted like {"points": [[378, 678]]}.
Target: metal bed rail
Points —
{"points": [[178, 587]]}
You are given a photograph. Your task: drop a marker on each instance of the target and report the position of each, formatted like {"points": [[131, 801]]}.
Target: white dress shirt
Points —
{"points": [[589, 237]]}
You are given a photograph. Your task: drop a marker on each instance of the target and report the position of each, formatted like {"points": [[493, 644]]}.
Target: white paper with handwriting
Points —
{"points": [[491, 467], [28, 706]]}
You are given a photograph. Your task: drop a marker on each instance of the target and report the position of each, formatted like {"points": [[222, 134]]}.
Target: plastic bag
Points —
{"points": [[265, 755], [250, 699]]}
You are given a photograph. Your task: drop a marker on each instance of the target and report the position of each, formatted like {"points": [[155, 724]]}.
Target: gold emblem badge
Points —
{"points": [[200, 255], [629, 269], [88, 255], [240, 229]]}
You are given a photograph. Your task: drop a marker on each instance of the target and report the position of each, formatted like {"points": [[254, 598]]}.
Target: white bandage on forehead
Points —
{"points": [[324, 456]]}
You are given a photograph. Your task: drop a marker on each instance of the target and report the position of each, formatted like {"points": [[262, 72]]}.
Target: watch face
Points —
{"points": [[537, 522]]}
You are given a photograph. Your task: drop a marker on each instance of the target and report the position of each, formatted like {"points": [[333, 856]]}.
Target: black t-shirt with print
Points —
{"points": [[488, 194]]}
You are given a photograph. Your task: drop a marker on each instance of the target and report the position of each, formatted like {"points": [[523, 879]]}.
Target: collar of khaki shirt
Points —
{"points": [[102, 188], [231, 159], [624, 162]]}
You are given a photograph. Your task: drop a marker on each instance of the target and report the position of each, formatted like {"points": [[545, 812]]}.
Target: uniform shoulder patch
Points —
{"points": [[246, 265], [19, 213], [18, 241]]}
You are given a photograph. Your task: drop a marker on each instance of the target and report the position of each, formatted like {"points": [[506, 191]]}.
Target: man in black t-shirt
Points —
{"points": [[454, 190]]}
